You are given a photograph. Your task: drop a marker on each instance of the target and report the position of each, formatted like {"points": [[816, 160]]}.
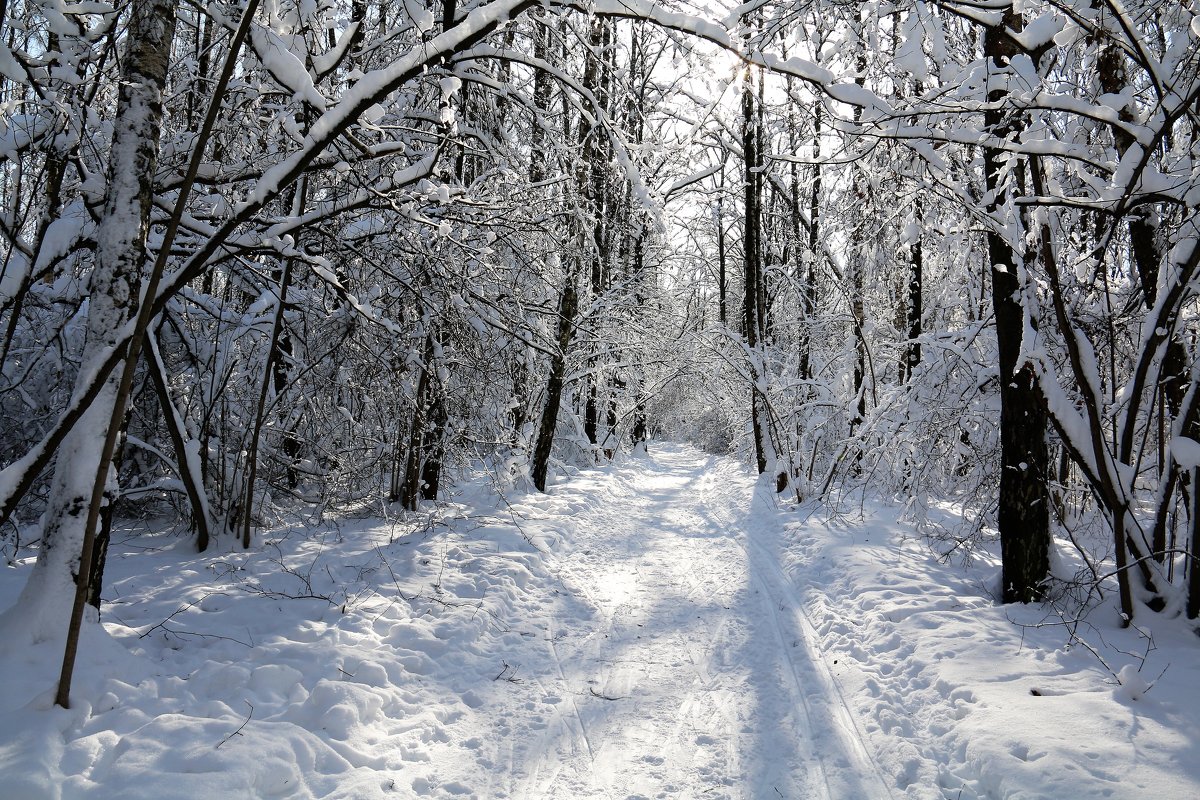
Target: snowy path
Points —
{"points": [[649, 629], [689, 671]]}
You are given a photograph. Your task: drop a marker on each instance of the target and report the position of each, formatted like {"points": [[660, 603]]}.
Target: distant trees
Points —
{"points": [[354, 262], [1057, 134]]}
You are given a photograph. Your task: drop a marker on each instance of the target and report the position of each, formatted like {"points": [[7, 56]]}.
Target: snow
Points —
{"points": [[285, 67], [657, 628], [1185, 452], [909, 55], [1040, 31]]}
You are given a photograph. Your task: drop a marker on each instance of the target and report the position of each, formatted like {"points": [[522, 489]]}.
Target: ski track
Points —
{"points": [[680, 653]]}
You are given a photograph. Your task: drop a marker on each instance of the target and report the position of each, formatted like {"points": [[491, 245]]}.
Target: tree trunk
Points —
{"points": [[916, 277], [855, 265], [434, 447], [83, 476], [273, 349], [113, 286], [752, 272], [597, 196], [611, 419], [722, 272], [1146, 255], [410, 487], [1193, 594], [520, 409], [1023, 514], [568, 306], [290, 447], [187, 468], [809, 290], [591, 407]]}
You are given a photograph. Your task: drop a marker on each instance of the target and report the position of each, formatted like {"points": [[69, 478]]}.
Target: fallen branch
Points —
{"points": [[238, 732]]}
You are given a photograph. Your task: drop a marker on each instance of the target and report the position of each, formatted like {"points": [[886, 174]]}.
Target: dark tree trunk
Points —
{"points": [[1023, 514], [808, 297], [541, 105], [568, 306], [1193, 595], [916, 277], [855, 266], [290, 447], [410, 487], [722, 271], [1146, 255], [598, 201], [274, 375], [251, 474], [751, 254], [95, 584], [434, 445], [611, 419], [520, 409], [591, 409], [193, 483]]}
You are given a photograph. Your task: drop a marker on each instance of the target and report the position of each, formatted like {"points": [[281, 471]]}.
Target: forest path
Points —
{"points": [[682, 664], [654, 628]]}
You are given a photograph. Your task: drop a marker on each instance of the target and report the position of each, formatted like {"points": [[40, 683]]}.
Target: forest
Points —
{"points": [[265, 260]]}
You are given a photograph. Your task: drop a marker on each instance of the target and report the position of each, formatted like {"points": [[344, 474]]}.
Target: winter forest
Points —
{"points": [[600, 398]]}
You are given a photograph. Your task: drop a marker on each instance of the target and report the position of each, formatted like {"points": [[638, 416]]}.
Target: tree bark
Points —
{"points": [[1023, 514], [752, 265], [916, 279], [434, 446], [113, 286], [808, 296], [568, 306], [191, 477]]}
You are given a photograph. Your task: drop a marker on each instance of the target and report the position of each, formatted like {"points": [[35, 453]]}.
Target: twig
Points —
{"points": [[238, 732], [511, 677], [168, 631]]}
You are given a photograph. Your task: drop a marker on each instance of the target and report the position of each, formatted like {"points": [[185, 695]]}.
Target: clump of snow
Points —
{"points": [[422, 17], [285, 67], [449, 85], [1133, 685], [1186, 452], [372, 115], [909, 55], [1041, 31]]}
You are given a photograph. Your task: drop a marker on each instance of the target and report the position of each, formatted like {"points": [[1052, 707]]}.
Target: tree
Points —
{"points": [[1023, 516], [65, 562]]}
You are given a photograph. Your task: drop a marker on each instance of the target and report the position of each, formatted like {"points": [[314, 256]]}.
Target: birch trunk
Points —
{"points": [[113, 287]]}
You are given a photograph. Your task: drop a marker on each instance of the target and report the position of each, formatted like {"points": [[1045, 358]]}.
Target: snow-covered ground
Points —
{"points": [[654, 629]]}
